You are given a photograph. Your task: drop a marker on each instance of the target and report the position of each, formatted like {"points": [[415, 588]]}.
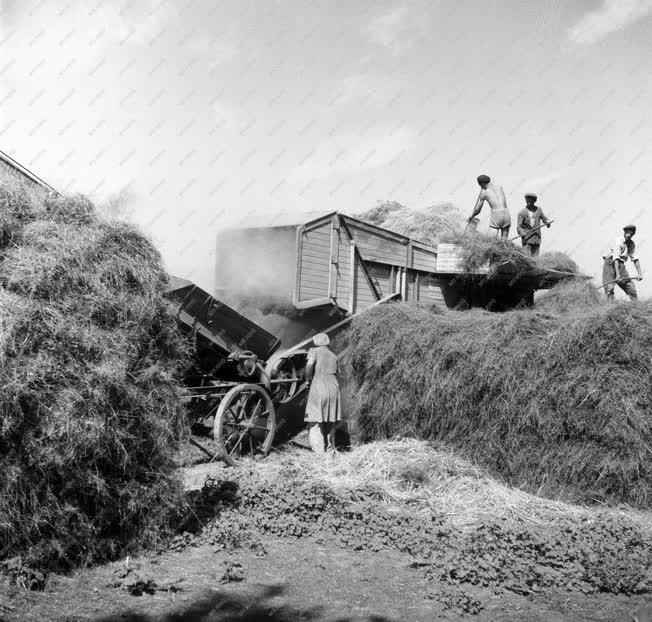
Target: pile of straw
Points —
{"points": [[557, 403], [426, 225], [556, 260], [479, 250], [89, 361]]}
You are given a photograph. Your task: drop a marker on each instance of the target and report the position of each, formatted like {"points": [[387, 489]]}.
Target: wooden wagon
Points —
{"points": [[328, 264]]}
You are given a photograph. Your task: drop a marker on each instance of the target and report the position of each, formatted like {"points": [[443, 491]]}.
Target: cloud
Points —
{"points": [[612, 16], [396, 30], [349, 154]]}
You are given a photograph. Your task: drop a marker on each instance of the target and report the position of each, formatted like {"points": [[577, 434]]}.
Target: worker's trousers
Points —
{"points": [[322, 437], [609, 274], [532, 249]]}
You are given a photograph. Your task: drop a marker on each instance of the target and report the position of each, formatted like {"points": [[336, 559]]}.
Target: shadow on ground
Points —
{"points": [[222, 607]]}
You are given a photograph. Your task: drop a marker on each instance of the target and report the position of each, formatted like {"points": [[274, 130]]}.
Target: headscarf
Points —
{"points": [[321, 339]]}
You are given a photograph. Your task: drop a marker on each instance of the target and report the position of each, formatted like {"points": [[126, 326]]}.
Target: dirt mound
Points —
{"points": [[553, 402], [89, 408]]}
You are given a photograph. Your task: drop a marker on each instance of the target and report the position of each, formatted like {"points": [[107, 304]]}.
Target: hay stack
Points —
{"points": [[557, 403], [89, 408]]}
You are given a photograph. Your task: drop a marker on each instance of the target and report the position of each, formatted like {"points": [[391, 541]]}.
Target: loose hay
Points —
{"points": [[89, 401], [556, 260], [479, 249], [417, 476], [554, 403], [427, 225]]}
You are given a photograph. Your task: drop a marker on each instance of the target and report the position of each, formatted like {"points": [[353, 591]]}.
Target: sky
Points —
{"points": [[207, 114]]}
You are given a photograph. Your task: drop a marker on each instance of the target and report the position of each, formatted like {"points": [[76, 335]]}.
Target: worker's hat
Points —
{"points": [[530, 195], [631, 228]]}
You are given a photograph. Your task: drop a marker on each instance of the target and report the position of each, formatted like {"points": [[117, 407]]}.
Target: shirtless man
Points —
{"points": [[493, 194]]}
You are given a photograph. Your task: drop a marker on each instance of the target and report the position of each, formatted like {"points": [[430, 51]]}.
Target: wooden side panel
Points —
{"points": [[315, 264], [423, 259], [378, 248], [383, 277], [411, 291], [343, 270], [449, 260], [364, 294], [431, 291]]}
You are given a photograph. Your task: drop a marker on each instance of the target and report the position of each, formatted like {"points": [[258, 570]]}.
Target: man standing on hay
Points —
{"points": [[323, 409], [614, 270], [529, 225], [493, 194]]}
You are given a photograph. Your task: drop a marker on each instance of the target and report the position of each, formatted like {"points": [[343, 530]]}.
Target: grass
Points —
{"points": [[89, 408], [552, 402]]}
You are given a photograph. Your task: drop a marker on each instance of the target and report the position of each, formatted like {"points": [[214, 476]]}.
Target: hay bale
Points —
{"points": [[555, 403], [89, 396]]}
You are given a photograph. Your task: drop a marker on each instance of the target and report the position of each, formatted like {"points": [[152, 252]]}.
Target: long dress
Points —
{"points": [[324, 395]]}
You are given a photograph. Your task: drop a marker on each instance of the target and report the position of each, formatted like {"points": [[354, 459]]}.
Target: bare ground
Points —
{"points": [[295, 580]]}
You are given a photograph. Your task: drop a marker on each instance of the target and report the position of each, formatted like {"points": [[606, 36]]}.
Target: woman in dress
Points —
{"points": [[323, 407]]}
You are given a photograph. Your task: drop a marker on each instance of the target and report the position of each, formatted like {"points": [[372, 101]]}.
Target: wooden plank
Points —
{"points": [[352, 278], [333, 258], [318, 240], [316, 252], [366, 240], [319, 244], [309, 292], [386, 249], [430, 291], [355, 225], [317, 270], [297, 270], [314, 281], [424, 260]]}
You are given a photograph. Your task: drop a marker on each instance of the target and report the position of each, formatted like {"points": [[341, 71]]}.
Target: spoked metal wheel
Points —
{"points": [[284, 369], [245, 423]]}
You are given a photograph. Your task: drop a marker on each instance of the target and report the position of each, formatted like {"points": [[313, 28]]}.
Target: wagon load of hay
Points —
{"points": [[89, 402], [556, 400], [426, 225]]}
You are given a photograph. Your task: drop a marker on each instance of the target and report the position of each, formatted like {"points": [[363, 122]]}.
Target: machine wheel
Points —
{"points": [[245, 423], [284, 369]]}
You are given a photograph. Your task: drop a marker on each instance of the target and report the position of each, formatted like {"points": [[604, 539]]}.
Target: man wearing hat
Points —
{"points": [[614, 269], [493, 194], [529, 224]]}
